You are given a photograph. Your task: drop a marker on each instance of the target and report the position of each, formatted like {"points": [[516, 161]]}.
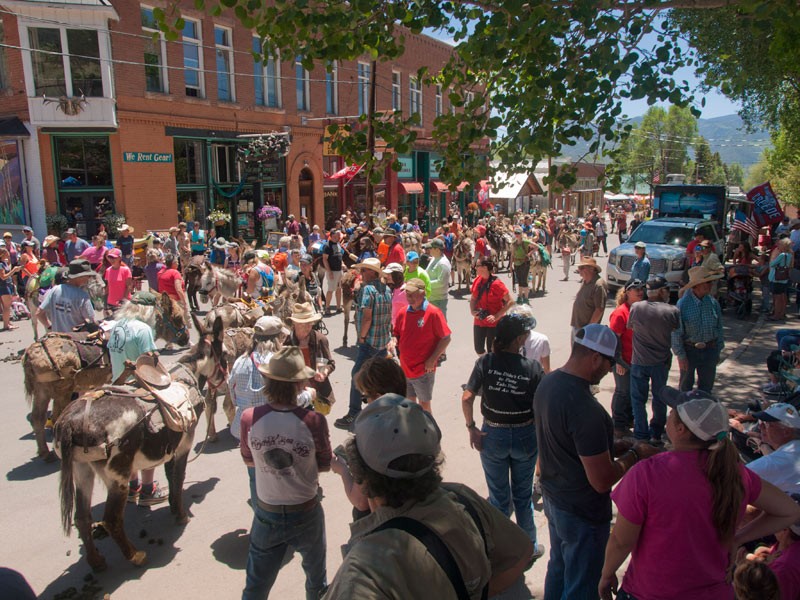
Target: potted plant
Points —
{"points": [[265, 147], [269, 215], [219, 217], [56, 224], [113, 221]]}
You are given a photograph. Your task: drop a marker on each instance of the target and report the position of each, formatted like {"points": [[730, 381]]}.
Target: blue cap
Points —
{"points": [[412, 256]]}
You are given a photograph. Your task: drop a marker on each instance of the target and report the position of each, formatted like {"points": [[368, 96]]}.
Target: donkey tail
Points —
{"points": [[30, 377], [63, 435]]}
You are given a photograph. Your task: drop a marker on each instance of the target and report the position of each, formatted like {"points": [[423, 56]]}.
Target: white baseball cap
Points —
{"points": [[599, 338], [782, 413]]}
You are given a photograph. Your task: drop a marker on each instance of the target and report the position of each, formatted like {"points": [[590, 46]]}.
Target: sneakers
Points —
{"points": [[156, 496], [346, 422], [133, 493], [772, 388]]}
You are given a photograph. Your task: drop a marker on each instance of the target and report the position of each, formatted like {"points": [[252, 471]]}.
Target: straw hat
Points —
{"points": [[701, 274], [50, 240], [590, 262], [287, 364], [372, 264], [304, 313], [127, 227]]}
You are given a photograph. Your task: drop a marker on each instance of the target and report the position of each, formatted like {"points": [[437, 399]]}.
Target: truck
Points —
{"points": [[693, 201]]}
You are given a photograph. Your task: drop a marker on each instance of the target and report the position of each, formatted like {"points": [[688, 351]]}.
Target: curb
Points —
{"points": [[742, 346]]}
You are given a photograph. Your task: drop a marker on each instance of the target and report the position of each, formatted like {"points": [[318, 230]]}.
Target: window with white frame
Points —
{"points": [[65, 62], [452, 106], [415, 96], [332, 89], [301, 84], [470, 97], [155, 54], [226, 167], [224, 53], [396, 94], [363, 87], [438, 105], [266, 72], [193, 59]]}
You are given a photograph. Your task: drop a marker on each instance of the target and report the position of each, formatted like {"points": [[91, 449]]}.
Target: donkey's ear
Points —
{"points": [[217, 329], [166, 301], [200, 329]]}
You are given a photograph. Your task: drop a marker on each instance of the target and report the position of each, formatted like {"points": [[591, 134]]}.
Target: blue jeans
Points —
{"points": [[365, 352], [641, 378], [621, 408], [511, 451], [704, 362], [577, 553], [271, 535], [787, 338]]}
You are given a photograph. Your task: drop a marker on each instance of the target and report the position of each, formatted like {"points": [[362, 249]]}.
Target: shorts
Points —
{"points": [[421, 388], [521, 273], [778, 287], [332, 279]]}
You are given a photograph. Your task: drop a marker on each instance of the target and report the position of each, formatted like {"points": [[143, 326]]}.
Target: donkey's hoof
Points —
{"points": [[139, 557], [49, 457], [182, 519], [212, 438]]}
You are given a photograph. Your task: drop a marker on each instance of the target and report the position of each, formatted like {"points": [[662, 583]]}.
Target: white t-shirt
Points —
{"points": [[781, 468], [536, 347]]}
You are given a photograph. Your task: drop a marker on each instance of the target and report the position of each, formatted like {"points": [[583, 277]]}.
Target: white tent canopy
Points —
{"points": [[617, 197], [507, 187]]}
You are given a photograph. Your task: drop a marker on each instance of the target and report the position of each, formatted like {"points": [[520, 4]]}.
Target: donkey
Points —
{"points": [[60, 365], [463, 255], [233, 314], [539, 271], [217, 284], [412, 241], [350, 283], [111, 433], [192, 274]]}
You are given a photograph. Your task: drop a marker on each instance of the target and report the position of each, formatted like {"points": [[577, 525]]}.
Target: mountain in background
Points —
{"points": [[725, 135]]}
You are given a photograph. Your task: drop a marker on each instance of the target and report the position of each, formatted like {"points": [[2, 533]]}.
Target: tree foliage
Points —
{"points": [[553, 72]]}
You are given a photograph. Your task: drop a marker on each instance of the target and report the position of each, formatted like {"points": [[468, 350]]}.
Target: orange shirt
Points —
{"points": [[383, 252]]}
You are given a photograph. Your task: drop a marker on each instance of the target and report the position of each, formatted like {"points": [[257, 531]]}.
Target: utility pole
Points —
{"points": [[371, 142]]}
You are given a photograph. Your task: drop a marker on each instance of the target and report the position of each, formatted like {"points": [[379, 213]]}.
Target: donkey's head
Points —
{"points": [[209, 281], [207, 357], [171, 321]]}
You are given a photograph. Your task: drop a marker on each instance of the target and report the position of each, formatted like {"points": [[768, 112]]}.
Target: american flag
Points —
{"points": [[746, 224]]}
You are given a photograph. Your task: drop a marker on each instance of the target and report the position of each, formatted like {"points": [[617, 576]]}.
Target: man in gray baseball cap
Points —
{"points": [[396, 458]]}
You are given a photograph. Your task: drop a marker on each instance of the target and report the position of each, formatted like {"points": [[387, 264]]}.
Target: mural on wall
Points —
{"points": [[12, 206]]}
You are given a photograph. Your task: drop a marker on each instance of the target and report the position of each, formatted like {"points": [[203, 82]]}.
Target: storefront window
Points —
{"points": [[12, 205], [192, 206], [189, 160]]}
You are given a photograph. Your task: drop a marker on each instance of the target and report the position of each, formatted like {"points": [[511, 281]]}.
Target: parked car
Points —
{"points": [[666, 241]]}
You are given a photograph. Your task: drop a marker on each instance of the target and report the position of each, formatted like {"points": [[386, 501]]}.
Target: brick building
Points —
{"points": [[99, 117]]}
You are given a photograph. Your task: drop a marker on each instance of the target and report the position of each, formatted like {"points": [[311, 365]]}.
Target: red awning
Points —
{"points": [[410, 187], [440, 187], [462, 185]]}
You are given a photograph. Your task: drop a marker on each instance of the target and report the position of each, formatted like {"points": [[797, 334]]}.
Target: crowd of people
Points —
{"points": [[542, 428]]}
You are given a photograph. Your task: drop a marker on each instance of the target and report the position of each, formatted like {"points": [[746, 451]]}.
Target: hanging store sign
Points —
{"points": [[147, 157], [406, 167]]}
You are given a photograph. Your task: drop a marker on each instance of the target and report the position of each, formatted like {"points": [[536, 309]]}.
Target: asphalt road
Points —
{"points": [[207, 557]]}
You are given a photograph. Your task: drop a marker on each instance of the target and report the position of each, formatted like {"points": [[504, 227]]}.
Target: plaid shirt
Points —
{"points": [[701, 321], [378, 297]]}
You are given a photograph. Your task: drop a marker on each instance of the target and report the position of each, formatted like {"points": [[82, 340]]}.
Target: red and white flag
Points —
{"points": [[745, 223], [347, 173], [657, 177]]}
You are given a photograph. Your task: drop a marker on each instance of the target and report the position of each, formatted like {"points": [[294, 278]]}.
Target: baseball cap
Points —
{"points": [[434, 243], [269, 326], [517, 229], [27, 229], [599, 338], [70, 231], [782, 413], [412, 256], [114, 253], [635, 284], [393, 268], [307, 259], [699, 411], [415, 284], [656, 283], [640, 245], [392, 427], [512, 326]]}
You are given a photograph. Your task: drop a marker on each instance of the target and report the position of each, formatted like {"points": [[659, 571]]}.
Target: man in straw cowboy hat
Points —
{"points": [[373, 306], [590, 302], [698, 340], [125, 243], [288, 446]]}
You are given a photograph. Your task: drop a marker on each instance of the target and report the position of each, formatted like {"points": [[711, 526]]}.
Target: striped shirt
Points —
{"points": [[701, 321]]}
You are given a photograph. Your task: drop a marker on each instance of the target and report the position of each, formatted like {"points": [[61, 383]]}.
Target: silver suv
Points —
{"points": [[666, 241]]}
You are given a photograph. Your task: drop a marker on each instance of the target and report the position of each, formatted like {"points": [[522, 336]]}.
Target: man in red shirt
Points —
{"points": [[699, 238], [421, 335], [396, 253]]}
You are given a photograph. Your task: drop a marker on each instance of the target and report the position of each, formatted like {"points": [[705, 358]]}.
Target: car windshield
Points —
{"points": [[675, 235]]}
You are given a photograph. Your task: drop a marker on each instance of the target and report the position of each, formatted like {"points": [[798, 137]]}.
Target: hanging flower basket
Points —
{"points": [[266, 147], [268, 211], [219, 217]]}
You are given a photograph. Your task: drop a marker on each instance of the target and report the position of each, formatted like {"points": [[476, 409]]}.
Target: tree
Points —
{"points": [[734, 174]]}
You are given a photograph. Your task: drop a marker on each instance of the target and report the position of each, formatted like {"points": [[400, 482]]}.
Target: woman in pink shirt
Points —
{"points": [[679, 511], [396, 282], [119, 280], [95, 253]]}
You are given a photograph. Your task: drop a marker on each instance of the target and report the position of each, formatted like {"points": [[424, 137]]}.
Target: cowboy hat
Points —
{"points": [[220, 243], [373, 264], [79, 267], [304, 313], [590, 262], [50, 240], [125, 226], [151, 372], [701, 274], [287, 364]]}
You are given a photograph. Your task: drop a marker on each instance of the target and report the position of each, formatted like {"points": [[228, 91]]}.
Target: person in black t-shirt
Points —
{"points": [[332, 260], [506, 382], [576, 447]]}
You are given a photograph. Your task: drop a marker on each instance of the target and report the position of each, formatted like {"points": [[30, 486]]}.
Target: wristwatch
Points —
{"points": [[471, 425]]}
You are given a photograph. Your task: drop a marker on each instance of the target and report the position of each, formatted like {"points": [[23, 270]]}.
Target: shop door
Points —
{"points": [[306, 185]]}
